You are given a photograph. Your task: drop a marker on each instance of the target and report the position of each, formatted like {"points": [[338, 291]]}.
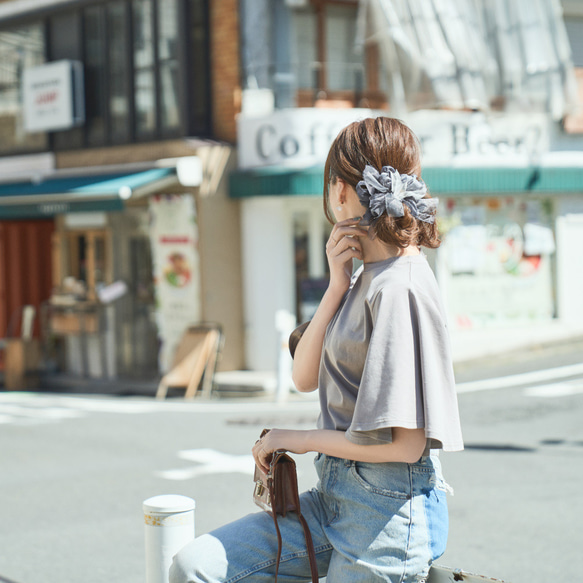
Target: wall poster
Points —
{"points": [[174, 239]]}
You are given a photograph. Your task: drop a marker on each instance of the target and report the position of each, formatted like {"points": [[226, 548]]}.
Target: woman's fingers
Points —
{"points": [[345, 243], [261, 457], [350, 253], [354, 231]]}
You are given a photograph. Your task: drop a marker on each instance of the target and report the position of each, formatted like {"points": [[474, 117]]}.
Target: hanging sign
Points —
{"points": [[53, 96], [174, 240]]}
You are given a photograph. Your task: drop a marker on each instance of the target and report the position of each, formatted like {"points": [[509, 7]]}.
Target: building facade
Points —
{"points": [[497, 116], [117, 132]]}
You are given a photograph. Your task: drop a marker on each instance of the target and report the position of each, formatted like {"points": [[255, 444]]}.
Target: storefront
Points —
{"points": [[96, 304], [509, 205], [107, 157]]}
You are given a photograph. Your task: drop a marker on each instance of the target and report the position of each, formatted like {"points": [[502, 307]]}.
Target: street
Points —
{"points": [[75, 470]]}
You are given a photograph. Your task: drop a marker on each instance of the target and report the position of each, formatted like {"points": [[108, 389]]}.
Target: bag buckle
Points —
{"points": [[259, 488]]}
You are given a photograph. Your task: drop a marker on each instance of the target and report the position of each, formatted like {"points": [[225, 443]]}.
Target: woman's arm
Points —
{"points": [[342, 247], [306, 363], [407, 445]]}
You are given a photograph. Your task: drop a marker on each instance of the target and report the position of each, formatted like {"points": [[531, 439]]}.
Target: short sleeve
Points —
{"points": [[407, 380]]}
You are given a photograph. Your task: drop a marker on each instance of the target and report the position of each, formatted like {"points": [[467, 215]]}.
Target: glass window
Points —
{"points": [[117, 21], [499, 256], [65, 42], [306, 63], [168, 63], [311, 232], [145, 89], [574, 26], [20, 48], [324, 48], [343, 64], [199, 100], [95, 75]]}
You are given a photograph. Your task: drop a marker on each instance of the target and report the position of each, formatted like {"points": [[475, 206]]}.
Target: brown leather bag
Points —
{"points": [[277, 493], [296, 336]]}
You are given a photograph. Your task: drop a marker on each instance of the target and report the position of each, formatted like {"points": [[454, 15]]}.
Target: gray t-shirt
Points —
{"points": [[386, 358]]}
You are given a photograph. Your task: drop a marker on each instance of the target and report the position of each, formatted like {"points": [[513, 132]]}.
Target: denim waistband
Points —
{"points": [[424, 460]]}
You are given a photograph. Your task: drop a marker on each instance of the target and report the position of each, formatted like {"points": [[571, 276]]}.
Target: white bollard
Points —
{"points": [[169, 525], [285, 322]]}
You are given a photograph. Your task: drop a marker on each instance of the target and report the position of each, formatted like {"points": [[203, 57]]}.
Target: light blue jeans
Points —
{"points": [[369, 522]]}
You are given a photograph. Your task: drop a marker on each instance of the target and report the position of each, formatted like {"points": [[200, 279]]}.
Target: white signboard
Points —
{"points": [[53, 96], [174, 240], [301, 137]]}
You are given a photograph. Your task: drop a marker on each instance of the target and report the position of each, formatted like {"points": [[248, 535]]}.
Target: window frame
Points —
{"points": [[365, 93]]}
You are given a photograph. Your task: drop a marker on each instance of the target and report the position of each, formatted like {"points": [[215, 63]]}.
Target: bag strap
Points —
{"points": [[310, 547], [309, 543]]}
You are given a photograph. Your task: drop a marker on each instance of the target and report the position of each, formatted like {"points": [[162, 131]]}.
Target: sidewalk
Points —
{"points": [[470, 345], [476, 356]]}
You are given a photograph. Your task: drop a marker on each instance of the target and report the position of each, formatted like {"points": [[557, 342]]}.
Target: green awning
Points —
{"points": [[276, 181], [102, 192]]}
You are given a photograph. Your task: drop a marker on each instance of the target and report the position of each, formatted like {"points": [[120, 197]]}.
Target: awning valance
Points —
{"points": [[441, 181], [101, 192]]}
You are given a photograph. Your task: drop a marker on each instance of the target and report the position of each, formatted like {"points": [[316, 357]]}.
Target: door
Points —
{"points": [[25, 271]]}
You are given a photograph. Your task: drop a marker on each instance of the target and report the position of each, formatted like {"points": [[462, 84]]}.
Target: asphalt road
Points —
{"points": [[75, 469]]}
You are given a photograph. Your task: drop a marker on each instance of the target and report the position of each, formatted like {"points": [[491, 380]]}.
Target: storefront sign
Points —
{"points": [[174, 240], [301, 137], [53, 96]]}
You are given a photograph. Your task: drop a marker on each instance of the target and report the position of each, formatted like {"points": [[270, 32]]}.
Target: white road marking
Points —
{"points": [[140, 405], [555, 390], [30, 408], [211, 462], [24, 408], [525, 378]]}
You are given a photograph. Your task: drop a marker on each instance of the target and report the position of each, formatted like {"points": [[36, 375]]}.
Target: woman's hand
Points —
{"points": [[342, 247], [275, 439]]}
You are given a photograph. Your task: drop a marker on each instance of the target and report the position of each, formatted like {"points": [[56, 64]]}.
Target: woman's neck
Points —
{"points": [[374, 250]]}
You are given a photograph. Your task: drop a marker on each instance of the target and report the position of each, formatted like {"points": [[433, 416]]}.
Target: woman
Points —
{"points": [[378, 351]]}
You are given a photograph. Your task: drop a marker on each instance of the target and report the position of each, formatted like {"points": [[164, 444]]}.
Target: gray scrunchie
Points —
{"points": [[389, 191]]}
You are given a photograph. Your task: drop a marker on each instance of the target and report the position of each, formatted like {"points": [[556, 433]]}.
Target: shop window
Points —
{"points": [[498, 261], [82, 262], [311, 232], [20, 48]]}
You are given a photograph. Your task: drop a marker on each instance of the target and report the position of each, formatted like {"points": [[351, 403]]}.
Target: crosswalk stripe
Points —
{"points": [[524, 378]]}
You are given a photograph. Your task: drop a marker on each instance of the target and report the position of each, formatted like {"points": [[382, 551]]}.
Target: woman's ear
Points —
{"points": [[341, 190]]}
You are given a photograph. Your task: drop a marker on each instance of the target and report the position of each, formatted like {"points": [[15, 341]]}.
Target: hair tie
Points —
{"points": [[389, 191]]}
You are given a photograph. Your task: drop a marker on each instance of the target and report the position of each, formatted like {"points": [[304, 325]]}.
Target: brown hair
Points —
{"points": [[380, 141]]}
